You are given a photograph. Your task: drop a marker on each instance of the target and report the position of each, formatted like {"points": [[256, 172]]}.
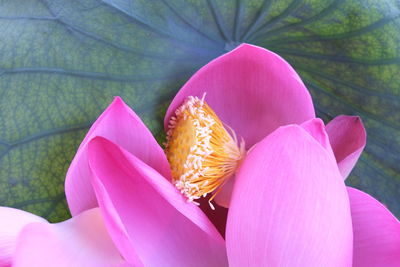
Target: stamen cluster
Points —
{"points": [[201, 152]]}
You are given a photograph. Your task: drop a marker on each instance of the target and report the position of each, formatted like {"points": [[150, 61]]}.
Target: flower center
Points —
{"points": [[201, 153]]}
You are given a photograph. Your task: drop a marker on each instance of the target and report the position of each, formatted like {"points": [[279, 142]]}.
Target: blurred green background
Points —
{"points": [[62, 61]]}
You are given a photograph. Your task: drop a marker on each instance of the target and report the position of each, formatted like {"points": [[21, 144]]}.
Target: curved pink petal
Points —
{"points": [[348, 137], [289, 206], [12, 221], [147, 215], [80, 241], [252, 90], [121, 125], [376, 232], [315, 127]]}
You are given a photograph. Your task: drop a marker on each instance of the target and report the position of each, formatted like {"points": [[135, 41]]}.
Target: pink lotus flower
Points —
{"points": [[288, 204]]}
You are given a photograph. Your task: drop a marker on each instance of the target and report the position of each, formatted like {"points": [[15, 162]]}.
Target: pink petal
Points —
{"points": [[80, 241], [315, 127], [252, 90], [11, 223], [348, 137], [376, 232], [147, 215], [121, 125], [289, 206], [223, 198]]}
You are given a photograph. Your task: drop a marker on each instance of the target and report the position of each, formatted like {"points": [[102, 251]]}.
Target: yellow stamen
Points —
{"points": [[201, 153]]}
